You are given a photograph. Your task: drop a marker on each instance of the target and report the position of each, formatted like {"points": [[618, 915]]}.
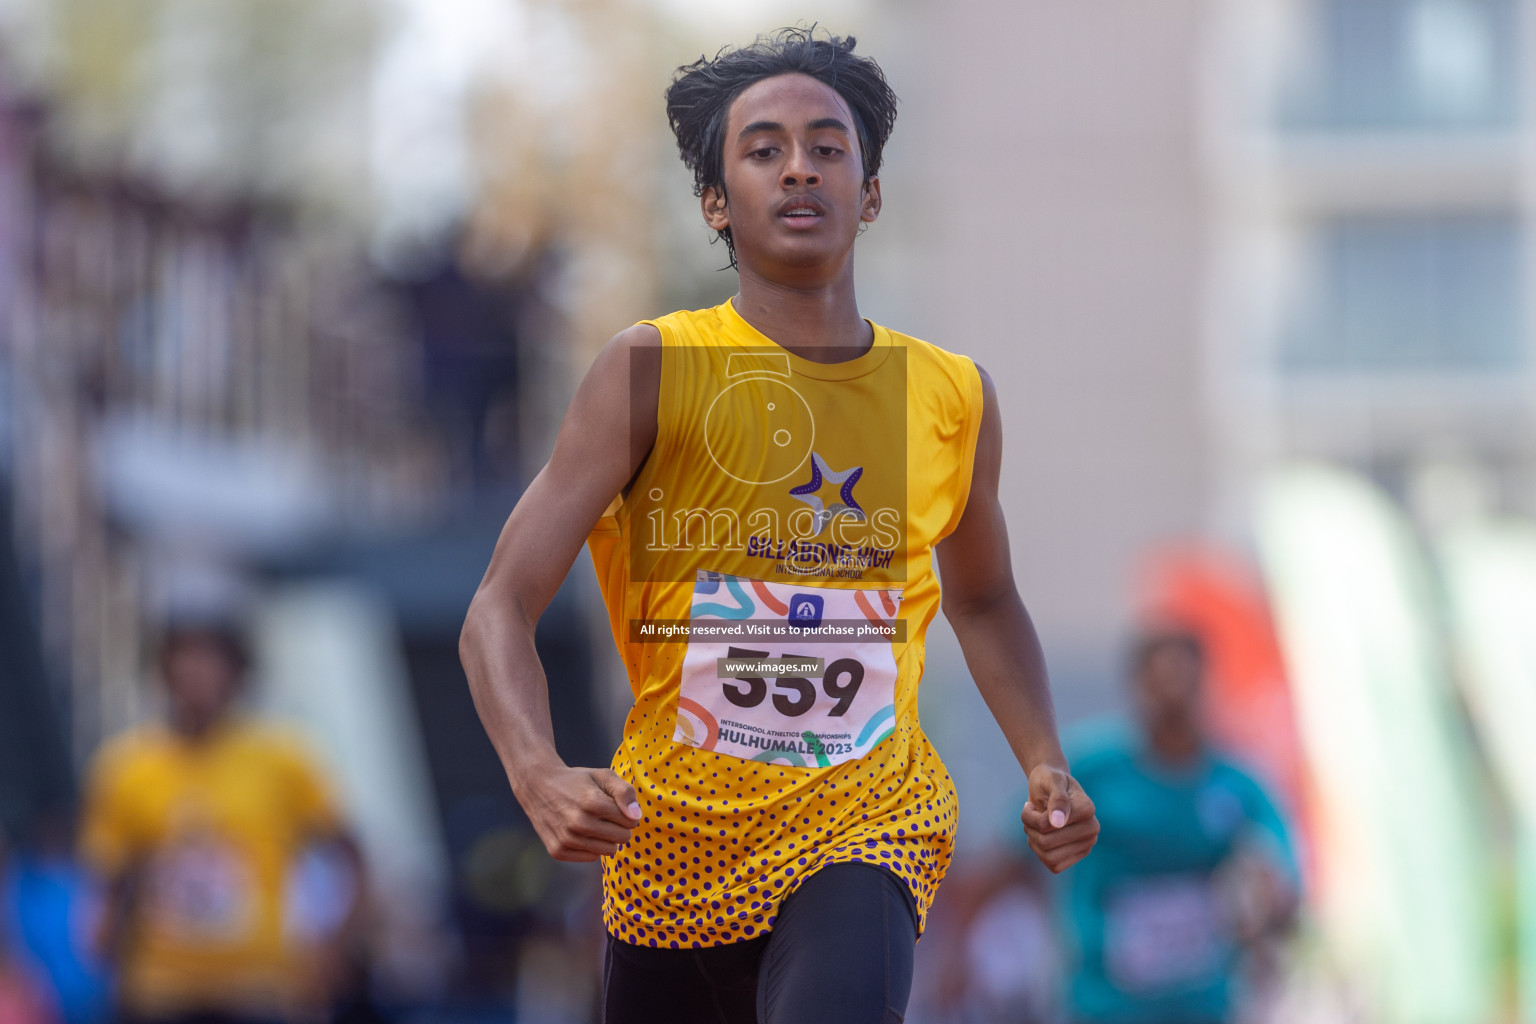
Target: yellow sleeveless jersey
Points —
{"points": [[769, 579]]}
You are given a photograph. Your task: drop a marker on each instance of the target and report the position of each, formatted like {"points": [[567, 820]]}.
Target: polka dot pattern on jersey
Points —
{"points": [[725, 840]]}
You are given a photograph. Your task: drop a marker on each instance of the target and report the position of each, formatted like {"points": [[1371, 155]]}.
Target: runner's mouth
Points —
{"points": [[801, 211]]}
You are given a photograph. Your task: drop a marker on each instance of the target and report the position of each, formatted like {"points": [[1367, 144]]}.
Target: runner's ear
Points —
{"points": [[712, 202], [870, 209]]}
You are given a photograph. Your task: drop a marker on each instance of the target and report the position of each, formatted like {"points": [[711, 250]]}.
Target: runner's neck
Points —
{"points": [[820, 324]]}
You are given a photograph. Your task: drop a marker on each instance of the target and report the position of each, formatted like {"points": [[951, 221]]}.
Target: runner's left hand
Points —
{"points": [[1059, 818]]}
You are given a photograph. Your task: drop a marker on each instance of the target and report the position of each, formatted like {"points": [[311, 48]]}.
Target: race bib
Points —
{"points": [[1162, 933], [803, 676]]}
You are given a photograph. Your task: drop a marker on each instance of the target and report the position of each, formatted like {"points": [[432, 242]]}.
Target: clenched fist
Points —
{"points": [[581, 814], [1059, 818]]}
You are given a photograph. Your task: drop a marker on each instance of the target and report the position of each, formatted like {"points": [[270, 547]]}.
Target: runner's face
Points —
{"points": [[794, 176]]}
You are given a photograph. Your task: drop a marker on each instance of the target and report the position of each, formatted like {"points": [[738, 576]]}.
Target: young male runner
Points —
{"points": [[772, 475]]}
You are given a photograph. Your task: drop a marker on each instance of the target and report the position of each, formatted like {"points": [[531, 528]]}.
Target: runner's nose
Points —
{"points": [[799, 169]]}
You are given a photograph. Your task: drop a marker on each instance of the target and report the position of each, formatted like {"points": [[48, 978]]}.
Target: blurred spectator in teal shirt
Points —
{"points": [[1193, 867]]}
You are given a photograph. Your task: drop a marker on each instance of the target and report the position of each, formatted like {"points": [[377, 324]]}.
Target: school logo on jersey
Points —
{"points": [[805, 610], [840, 502]]}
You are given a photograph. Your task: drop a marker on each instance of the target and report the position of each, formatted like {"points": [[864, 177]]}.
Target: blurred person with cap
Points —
{"points": [[1193, 869], [199, 826]]}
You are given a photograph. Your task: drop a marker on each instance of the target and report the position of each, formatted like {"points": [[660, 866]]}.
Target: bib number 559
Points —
{"points": [[796, 695]]}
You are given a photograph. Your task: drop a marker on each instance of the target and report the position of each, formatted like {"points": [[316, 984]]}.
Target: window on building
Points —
{"points": [[1418, 293], [1405, 64]]}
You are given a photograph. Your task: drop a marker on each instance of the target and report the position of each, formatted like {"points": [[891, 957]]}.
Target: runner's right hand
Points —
{"points": [[581, 814]]}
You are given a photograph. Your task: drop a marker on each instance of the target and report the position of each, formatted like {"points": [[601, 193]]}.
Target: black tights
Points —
{"points": [[840, 952]]}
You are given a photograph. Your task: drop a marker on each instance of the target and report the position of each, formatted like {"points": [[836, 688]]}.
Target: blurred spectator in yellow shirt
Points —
{"points": [[199, 826]]}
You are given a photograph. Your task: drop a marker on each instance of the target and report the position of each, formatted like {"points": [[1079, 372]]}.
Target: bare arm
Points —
{"points": [[339, 957], [579, 813], [114, 925], [1003, 653]]}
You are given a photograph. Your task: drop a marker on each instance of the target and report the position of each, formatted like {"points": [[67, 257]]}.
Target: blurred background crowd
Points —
{"points": [[292, 298]]}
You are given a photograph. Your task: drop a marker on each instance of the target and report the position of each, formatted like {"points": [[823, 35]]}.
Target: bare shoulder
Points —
{"points": [[611, 423], [638, 336], [631, 357]]}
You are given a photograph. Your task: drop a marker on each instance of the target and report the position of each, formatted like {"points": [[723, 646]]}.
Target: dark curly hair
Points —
{"points": [[699, 99]]}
